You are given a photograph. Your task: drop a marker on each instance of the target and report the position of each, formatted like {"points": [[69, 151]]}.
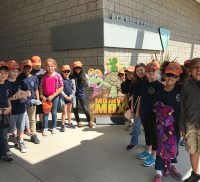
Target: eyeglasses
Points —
{"points": [[171, 75], [66, 71]]}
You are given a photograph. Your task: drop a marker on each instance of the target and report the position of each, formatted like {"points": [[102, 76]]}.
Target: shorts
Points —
{"points": [[67, 101], [17, 122], [192, 140]]}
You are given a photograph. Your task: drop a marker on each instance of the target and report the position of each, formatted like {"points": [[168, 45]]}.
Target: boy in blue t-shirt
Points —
{"points": [[21, 92], [32, 83], [5, 109]]}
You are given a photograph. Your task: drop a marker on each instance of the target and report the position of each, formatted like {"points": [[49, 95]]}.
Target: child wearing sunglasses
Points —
{"points": [[167, 109], [69, 89]]}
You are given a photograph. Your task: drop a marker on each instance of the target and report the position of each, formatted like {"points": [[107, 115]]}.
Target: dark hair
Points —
{"points": [[79, 77], [136, 79], [193, 62]]}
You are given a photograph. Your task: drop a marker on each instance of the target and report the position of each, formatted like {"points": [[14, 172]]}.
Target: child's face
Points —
{"points": [[26, 70], [36, 67], [151, 74], [50, 67], [3, 74], [129, 75], [13, 74], [171, 79], [195, 71], [78, 70], [66, 73], [140, 72]]}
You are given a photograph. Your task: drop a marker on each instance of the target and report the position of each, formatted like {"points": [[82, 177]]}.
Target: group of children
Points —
{"points": [[25, 88], [166, 101]]}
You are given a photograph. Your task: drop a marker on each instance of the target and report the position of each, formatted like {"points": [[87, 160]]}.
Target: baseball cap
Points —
{"points": [[3, 65], [152, 66], [12, 64], [130, 69], [36, 61], [77, 64], [174, 68], [65, 67], [26, 62]]}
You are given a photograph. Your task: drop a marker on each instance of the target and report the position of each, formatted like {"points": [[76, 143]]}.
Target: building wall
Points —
{"points": [[182, 17], [25, 28]]}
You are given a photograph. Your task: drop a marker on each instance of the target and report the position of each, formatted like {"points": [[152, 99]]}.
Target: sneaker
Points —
{"points": [[45, 132], [35, 139], [8, 152], [182, 142], [143, 155], [90, 125], [175, 173], [53, 131], [71, 126], [150, 161], [62, 128], [158, 178], [22, 147], [6, 159], [131, 147], [193, 177]]}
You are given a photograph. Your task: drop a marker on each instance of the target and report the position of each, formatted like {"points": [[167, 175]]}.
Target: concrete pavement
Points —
{"points": [[83, 155]]}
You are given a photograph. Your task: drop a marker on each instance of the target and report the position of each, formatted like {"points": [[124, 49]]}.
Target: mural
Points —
{"points": [[106, 98]]}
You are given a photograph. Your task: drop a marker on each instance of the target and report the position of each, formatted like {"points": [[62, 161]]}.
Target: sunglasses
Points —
{"points": [[77, 68], [66, 71], [171, 75]]}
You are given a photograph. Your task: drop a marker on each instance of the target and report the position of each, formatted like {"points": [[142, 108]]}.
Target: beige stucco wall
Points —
{"points": [[182, 17]]}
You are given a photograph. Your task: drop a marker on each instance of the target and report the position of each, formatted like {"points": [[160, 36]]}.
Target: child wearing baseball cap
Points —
{"points": [[5, 109], [69, 89], [167, 123], [32, 83], [145, 111]]}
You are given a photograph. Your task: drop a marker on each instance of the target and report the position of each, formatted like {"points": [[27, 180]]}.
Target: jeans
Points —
{"points": [[53, 113], [3, 139], [136, 131], [82, 101]]}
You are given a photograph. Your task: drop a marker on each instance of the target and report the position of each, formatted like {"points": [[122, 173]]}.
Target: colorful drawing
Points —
{"points": [[113, 65]]}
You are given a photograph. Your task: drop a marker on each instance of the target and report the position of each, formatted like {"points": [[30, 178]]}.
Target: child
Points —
{"points": [[168, 115], [51, 86], [20, 91], [39, 72], [125, 88], [190, 117], [139, 78], [81, 82], [5, 109], [32, 83], [145, 105], [68, 93]]}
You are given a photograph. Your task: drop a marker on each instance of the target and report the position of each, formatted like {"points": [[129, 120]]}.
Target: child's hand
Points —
{"points": [[50, 98], [7, 110], [43, 98], [182, 134]]}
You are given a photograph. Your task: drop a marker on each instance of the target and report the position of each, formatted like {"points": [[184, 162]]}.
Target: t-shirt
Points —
{"points": [[32, 83], [39, 73], [147, 93], [69, 87], [49, 84], [198, 83], [171, 98], [126, 86], [17, 106], [5, 93]]}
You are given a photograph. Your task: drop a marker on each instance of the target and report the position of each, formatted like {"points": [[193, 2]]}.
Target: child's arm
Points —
{"points": [[182, 115], [138, 107], [37, 94], [58, 91], [8, 109]]}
